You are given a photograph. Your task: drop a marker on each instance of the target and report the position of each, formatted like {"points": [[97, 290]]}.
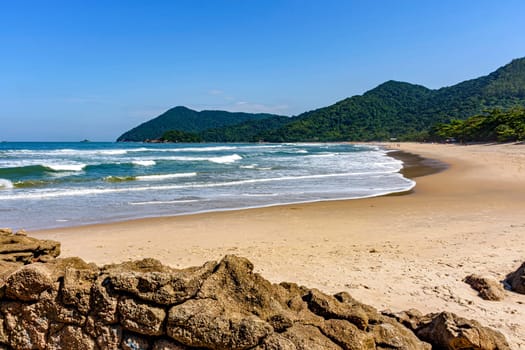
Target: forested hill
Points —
{"points": [[406, 111], [391, 110], [184, 119]]}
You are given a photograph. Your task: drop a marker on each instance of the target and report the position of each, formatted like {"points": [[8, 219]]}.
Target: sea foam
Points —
{"points": [[5, 184], [164, 176]]}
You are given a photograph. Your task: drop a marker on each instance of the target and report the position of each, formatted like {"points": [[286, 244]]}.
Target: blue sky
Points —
{"points": [[77, 69]]}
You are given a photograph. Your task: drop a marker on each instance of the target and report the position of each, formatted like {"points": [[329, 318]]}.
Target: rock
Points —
{"points": [[449, 331], [5, 231], [347, 335], [206, 323], [21, 233], [488, 288], [134, 342], [516, 280], [165, 288], [25, 325], [25, 250], [329, 307], [306, 337], [70, 337], [276, 341], [411, 318], [140, 317], [106, 336], [27, 283], [164, 344], [390, 334], [68, 303], [104, 301], [76, 288]]}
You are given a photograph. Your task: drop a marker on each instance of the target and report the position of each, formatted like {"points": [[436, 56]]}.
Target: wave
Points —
{"points": [[228, 159], [31, 183], [39, 169], [184, 149], [5, 184], [165, 202], [65, 167], [92, 191], [119, 178], [225, 159], [164, 176], [143, 162]]}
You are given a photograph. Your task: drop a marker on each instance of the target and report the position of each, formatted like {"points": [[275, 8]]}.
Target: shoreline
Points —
{"points": [[413, 166], [396, 252]]}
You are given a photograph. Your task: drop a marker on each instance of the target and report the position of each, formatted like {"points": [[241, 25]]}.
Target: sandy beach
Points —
{"points": [[392, 252]]}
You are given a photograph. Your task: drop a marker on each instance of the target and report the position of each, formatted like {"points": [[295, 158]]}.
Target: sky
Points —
{"points": [[78, 69]]}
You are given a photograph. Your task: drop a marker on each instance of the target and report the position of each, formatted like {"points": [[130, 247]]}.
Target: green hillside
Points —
{"points": [[187, 120], [403, 110], [391, 110]]}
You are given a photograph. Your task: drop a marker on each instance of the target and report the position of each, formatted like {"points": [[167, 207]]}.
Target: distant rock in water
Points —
{"points": [[516, 280], [69, 304]]}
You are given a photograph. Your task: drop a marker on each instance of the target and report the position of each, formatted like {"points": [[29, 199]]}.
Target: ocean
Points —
{"points": [[49, 185]]}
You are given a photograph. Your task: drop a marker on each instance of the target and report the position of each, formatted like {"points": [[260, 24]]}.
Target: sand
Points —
{"points": [[393, 252]]}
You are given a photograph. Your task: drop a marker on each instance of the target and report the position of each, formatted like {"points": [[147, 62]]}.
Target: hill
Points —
{"points": [[391, 110], [187, 120], [403, 110]]}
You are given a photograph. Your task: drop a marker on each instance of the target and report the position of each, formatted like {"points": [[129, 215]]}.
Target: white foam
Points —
{"points": [[251, 166], [165, 202], [92, 191], [164, 176], [112, 152], [5, 184], [65, 167], [225, 159], [144, 162]]}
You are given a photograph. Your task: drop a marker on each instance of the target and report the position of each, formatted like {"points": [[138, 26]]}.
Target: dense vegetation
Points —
{"points": [[180, 136], [492, 126], [391, 110], [187, 120]]}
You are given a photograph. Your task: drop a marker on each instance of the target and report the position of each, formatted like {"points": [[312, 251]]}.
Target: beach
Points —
{"points": [[393, 252]]}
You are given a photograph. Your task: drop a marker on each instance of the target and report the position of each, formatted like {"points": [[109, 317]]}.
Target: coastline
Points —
{"points": [[392, 252]]}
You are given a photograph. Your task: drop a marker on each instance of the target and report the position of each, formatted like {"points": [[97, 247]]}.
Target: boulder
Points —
{"points": [[487, 288], [165, 288], [27, 283], [21, 249], [449, 331], [207, 323], [516, 280], [141, 317], [67, 303]]}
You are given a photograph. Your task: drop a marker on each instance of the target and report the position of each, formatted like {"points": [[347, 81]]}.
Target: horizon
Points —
{"points": [[93, 71]]}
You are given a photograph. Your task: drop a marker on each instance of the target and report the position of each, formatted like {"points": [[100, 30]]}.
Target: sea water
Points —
{"points": [[47, 185]]}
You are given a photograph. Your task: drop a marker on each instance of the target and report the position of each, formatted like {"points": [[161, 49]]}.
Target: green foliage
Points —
{"points": [[492, 126], [180, 136]]}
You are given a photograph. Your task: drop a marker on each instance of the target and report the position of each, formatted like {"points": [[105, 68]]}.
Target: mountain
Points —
{"points": [[184, 119], [391, 110], [403, 110]]}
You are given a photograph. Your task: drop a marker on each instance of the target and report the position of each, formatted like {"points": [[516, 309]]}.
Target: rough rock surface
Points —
{"points": [[18, 248], [67, 303], [446, 330], [516, 279], [487, 288]]}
